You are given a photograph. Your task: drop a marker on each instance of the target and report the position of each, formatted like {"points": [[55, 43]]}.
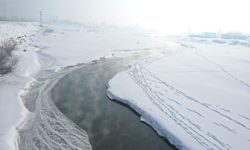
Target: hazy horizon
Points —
{"points": [[161, 15]]}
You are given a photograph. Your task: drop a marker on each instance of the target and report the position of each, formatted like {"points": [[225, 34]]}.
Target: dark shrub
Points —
{"points": [[7, 62]]}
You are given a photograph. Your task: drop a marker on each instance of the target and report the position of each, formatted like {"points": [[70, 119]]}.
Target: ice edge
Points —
{"points": [[148, 119]]}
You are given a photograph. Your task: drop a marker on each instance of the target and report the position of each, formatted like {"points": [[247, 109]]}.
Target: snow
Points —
{"points": [[194, 92], [47, 127], [11, 86], [69, 46], [198, 98]]}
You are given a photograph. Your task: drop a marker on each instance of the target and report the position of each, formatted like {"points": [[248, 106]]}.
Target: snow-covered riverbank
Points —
{"points": [[51, 48], [198, 98], [12, 110]]}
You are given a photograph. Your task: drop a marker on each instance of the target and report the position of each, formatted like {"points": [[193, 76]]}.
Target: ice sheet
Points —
{"points": [[198, 98]]}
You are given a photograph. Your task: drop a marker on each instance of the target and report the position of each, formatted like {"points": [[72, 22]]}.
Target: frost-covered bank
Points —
{"points": [[198, 97], [46, 127], [11, 85]]}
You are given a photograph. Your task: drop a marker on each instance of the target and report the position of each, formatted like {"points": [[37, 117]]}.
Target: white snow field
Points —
{"points": [[11, 108], [197, 97], [69, 45]]}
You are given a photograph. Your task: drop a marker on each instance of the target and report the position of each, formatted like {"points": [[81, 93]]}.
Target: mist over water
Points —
{"points": [[81, 96]]}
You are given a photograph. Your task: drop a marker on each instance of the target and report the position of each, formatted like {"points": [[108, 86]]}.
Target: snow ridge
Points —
{"points": [[47, 127]]}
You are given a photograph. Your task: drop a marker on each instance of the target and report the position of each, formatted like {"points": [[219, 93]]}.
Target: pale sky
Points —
{"points": [[161, 15]]}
